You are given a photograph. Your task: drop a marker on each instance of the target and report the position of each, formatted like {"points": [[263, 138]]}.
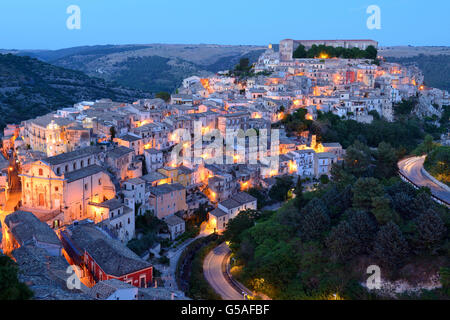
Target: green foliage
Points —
{"points": [[200, 214], [386, 157], [445, 118], [405, 107], [300, 52], [316, 249], [10, 286], [348, 53], [112, 132], [279, 192], [430, 231], [357, 159], [435, 68], [152, 73], [41, 88], [390, 246], [140, 246], [426, 146], [342, 242], [444, 274], [236, 226], [149, 226], [259, 195], [163, 95], [364, 190], [315, 220], [437, 163], [324, 179], [296, 122], [189, 271], [382, 210], [244, 64], [401, 134], [299, 198]]}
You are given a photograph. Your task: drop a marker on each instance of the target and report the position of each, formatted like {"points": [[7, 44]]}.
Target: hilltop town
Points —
{"points": [[86, 185]]}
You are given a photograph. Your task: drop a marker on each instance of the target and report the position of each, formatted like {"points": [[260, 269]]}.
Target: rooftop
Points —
{"points": [[173, 220], [26, 228], [83, 173], [73, 155], [112, 256], [218, 212], [129, 137], [166, 188], [153, 176], [119, 152], [104, 289]]}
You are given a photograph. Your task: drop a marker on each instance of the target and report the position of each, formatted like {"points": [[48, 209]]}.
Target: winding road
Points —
{"points": [[412, 169], [213, 269]]}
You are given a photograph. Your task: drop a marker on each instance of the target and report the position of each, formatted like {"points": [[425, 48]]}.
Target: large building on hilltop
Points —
{"points": [[288, 46]]}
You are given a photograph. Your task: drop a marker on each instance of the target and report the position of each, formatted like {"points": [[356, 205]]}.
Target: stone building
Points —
{"points": [[60, 188], [288, 46]]}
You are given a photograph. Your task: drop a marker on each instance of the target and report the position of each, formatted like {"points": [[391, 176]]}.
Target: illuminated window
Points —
{"points": [[41, 172]]}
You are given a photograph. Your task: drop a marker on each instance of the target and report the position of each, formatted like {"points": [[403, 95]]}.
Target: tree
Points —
{"points": [[390, 246], [10, 286], [279, 191], [437, 163], [430, 231], [163, 95], [357, 159], [300, 52], [428, 143], [386, 161], [402, 203], [299, 198], [112, 131], [324, 179], [201, 214], [382, 210], [260, 196], [444, 274], [364, 228], [340, 176], [342, 242], [364, 190], [236, 226], [315, 220], [371, 52], [244, 64], [422, 202]]}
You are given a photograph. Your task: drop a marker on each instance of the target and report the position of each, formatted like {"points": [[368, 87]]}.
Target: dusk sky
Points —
{"points": [[41, 24]]}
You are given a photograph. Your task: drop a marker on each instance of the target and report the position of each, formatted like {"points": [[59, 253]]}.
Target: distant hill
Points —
{"points": [[435, 68], [30, 87], [150, 67], [434, 61]]}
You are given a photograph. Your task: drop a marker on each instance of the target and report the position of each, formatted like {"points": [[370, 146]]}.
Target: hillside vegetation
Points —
{"points": [[30, 88], [437, 163], [150, 67], [435, 68], [319, 244]]}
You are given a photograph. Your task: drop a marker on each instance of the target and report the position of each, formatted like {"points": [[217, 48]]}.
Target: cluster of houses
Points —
{"points": [[87, 171]]}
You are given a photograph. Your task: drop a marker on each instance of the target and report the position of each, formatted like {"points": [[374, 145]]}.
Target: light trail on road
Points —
{"points": [[412, 169]]}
